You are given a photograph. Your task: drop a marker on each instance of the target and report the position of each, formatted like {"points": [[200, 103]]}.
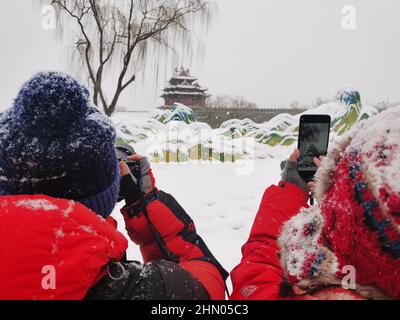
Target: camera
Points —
{"points": [[123, 152]]}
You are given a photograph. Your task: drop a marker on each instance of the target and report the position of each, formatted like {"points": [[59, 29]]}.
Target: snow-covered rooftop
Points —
{"points": [[183, 93], [183, 73], [185, 86]]}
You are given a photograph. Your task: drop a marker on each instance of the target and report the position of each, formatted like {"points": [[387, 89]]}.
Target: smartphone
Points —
{"points": [[313, 142]]}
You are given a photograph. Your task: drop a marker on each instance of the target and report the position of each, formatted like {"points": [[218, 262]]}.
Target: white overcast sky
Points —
{"points": [[270, 51]]}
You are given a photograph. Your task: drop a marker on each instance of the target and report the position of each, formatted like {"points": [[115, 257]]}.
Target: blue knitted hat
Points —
{"points": [[54, 142]]}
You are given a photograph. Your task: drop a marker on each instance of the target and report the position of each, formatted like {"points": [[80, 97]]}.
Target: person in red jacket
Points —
{"points": [[59, 183], [346, 246]]}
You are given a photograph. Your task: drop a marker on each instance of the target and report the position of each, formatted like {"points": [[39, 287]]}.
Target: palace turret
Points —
{"points": [[184, 88]]}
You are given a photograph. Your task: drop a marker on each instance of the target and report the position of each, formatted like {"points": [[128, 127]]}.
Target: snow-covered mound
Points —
{"points": [[175, 135], [178, 112]]}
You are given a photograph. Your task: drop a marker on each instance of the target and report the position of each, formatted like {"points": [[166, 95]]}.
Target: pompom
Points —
{"points": [[49, 102]]}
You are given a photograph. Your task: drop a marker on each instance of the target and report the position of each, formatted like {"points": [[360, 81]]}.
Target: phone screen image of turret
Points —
{"points": [[313, 142]]}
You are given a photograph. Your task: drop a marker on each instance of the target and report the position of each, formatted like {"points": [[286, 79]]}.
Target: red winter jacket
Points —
{"points": [[46, 241], [178, 240], [259, 275], [42, 238]]}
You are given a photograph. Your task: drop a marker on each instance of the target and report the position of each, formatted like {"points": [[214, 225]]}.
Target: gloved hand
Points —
{"points": [[131, 188], [291, 174]]}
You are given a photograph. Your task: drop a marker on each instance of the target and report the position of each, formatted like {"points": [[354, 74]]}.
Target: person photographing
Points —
{"points": [[60, 180], [301, 252]]}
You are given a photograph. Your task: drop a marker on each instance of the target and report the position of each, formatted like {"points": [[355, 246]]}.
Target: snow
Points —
{"points": [[36, 204], [54, 249], [298, 245], [88, 229], [59, 233], [379, 143], [222, 196], [222, 203], [175, 135], [69, 209]]}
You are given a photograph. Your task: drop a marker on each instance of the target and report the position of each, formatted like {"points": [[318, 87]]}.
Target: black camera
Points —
{"points": [[123, 152]]}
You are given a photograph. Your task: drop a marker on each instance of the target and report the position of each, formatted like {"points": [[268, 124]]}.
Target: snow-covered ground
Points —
{"points": [[222, 203]]}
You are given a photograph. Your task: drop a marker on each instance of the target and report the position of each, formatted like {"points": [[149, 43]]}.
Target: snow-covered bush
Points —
{"points": [[178, 112]]}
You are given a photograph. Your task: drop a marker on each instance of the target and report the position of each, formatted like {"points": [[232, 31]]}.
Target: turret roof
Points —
{"points": [[186, 84]]}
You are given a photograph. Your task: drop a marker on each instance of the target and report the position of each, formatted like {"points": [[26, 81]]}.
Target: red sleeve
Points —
{"points": [[163, 230], [259, 274]]}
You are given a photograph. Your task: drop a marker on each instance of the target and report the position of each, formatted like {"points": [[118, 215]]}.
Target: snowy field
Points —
{"points": [[222, 203]]}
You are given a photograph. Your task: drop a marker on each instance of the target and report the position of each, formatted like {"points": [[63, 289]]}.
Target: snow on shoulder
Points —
{"points": [[36, 204], [379, 142]]}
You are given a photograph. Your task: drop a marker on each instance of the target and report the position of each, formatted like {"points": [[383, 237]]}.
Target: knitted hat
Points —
{"points": [[357, 222], [54, 142]]}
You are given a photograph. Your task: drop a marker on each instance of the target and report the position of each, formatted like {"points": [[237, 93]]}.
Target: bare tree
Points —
{"points": [[123, 34]]}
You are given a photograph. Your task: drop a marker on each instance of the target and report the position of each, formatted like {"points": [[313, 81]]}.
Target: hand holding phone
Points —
{"points": [[290, 172], [313, 142]]}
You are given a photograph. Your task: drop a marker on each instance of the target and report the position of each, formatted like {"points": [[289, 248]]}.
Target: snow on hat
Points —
{"points": [[54, 142], [357, 222]]}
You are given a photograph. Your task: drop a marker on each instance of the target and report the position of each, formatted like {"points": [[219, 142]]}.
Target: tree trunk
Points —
{"points": [[95, 96], [111, 108]]}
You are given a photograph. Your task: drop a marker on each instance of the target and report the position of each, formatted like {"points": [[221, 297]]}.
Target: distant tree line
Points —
{"points": [[239, 102], [230, 102], [384, 105]]}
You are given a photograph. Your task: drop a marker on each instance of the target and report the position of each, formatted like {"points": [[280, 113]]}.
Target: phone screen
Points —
{"points": [[313, 142]]}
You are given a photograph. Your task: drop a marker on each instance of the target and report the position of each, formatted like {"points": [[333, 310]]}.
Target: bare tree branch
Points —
{"points": [[124, 34]]}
